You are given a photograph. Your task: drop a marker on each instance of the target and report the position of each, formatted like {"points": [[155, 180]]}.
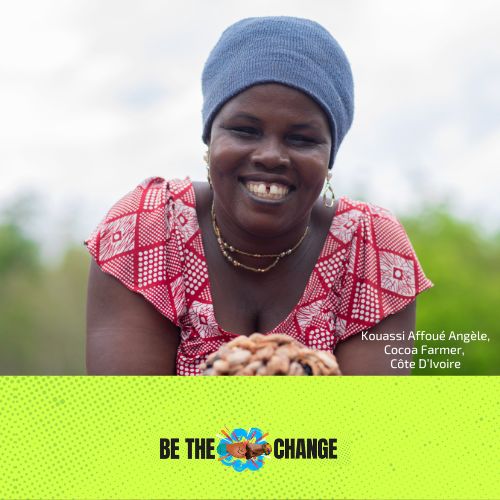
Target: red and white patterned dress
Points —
{"points": [[151, 241]]}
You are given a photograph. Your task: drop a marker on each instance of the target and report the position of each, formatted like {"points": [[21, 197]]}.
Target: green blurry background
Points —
{"points": [[42, 300]]}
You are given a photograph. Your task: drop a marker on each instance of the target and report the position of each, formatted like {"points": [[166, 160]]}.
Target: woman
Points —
{"points": [[255, 248]]}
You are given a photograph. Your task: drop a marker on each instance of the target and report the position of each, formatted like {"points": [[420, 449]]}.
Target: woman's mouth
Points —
{"points": [[267, 191]]}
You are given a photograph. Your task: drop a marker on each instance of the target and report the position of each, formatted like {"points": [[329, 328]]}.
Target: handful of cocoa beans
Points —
{"points": [[274, 354]]}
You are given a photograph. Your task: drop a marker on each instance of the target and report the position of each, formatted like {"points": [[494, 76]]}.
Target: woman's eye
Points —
{"points": [[245, 131], [302, 139]]}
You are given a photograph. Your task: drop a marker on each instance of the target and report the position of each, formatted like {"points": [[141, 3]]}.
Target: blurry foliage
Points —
{"points": [[464, 266], [17, 252], [42, 305]]}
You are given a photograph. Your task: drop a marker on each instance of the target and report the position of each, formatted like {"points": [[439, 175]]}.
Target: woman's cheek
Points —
{"points": [[228, 162]]}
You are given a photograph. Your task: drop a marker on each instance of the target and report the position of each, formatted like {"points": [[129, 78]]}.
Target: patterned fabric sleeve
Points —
{"points": [[134, 244], [383, 273]]}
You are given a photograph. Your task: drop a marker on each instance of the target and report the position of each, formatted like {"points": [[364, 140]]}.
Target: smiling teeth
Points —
{"points": [[267, 191]]}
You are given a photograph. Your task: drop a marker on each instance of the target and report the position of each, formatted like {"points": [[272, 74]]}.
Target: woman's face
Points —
{"points": [[269, 153]]}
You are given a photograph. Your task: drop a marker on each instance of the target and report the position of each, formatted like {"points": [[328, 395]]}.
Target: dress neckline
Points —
{"points": [[279, 326]]}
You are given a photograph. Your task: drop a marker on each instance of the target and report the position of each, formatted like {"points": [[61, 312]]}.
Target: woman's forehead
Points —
{"points": [[272, 99]]}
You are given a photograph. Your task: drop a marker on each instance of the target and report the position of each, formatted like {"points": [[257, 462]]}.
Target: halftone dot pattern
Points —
{"points": [[398, 437]]}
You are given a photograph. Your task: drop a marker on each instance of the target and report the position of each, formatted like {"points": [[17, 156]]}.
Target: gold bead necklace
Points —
{"points": [[225, 248]]}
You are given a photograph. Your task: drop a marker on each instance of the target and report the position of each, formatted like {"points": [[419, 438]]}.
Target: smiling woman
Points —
{"points": [[180, 268]]}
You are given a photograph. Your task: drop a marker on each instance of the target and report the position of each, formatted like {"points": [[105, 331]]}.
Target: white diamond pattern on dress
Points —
{"points": [[186, 220], [331, 268], [154, 198], [366, 303], [397, 274], [118, 237], [344, 225], [195, 272], [383, 212], [203, 319], [305, 314], [151, 268]]}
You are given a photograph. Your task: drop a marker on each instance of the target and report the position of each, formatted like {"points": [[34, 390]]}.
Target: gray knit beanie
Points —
{"points": [[295, 52]]}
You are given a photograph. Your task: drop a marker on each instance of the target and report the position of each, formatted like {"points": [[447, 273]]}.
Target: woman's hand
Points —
{"points": [[367, 357], [125, 334]]}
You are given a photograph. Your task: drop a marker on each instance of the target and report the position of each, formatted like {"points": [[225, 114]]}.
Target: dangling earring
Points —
{"points": [[206, 157], [328, 201]]}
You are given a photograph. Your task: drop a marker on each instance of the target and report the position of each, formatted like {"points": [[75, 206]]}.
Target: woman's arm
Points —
{"points": [[126, 335], [366, 357]]}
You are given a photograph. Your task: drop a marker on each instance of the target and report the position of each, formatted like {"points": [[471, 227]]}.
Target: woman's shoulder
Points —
{"points": [[363, 209], [369, 224], [153, 194], [142, 213], [349, 213], [353, 219]]}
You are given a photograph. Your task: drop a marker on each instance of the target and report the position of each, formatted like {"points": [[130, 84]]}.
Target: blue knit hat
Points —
{"points": [[295, 52]]}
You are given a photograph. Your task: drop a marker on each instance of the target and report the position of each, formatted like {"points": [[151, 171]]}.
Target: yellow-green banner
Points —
{"points": [[250, 437]]}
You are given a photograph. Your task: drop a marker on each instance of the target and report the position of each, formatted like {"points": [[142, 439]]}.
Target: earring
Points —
{"points": [[206, 157], [328, 201]]}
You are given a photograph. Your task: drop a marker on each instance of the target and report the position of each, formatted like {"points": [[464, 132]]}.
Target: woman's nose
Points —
{"points": [[270, 153]]}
